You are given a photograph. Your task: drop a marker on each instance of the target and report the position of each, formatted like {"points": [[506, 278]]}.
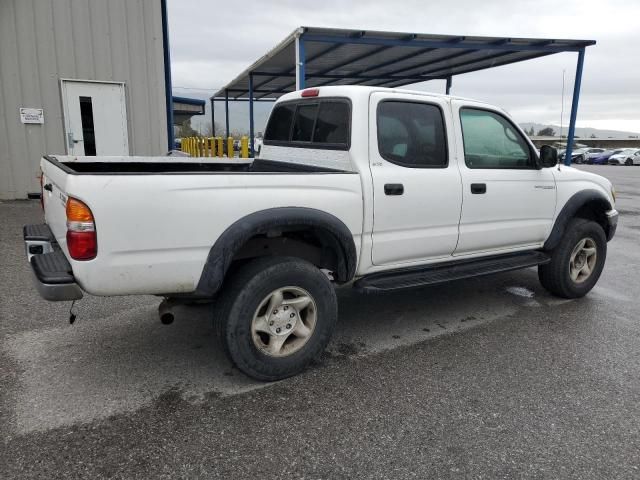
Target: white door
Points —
{"points": [[417, 194], [95, 118], [507, 201]]}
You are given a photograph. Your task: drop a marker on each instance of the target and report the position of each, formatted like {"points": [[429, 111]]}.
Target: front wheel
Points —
{"points": [[577, 262], [628, 162], [275, 315]]}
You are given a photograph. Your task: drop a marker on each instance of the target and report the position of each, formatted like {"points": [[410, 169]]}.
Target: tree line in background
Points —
{"points": [[550, 132]]}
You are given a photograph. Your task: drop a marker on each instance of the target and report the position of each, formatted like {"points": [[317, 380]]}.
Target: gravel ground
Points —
{"points": [[484, 378]]}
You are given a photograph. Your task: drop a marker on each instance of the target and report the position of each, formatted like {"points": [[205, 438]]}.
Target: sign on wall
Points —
{"points": [[32, 115]]}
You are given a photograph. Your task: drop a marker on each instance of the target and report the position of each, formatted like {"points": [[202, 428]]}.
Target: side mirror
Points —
{"points": [[548, 156]]}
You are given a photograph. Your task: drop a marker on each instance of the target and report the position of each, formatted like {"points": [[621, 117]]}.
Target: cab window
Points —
{"points": [[411, 134], [491, 141], [323, 123]]}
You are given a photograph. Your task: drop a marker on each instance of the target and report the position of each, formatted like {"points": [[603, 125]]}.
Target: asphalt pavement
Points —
{"points": [[483, 378]]}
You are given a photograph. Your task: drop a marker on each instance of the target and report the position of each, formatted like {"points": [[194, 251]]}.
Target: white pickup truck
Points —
{"points": [[375, 188]]}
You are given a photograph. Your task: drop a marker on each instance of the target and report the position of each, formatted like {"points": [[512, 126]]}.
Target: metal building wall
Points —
{"points": [[42, 41]]}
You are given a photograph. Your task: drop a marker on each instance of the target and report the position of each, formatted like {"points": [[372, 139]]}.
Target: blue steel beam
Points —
{"points": [[445, 44], [166, 56], [251, 114], [451, 56], [301, 60], [340, 77], [309, 60], [431, 62], [499, 64], [448, 86], [213, 118], [358, 58], [469, 62], [405, 57], [226, 110], [574, 108]]}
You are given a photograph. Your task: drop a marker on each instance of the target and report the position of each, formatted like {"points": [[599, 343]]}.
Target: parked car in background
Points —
{"points": [[582, 155], [574, 154], [577, 156], [635, 160], [257, 146], [625, 157], [592, 153], [604, 158]]}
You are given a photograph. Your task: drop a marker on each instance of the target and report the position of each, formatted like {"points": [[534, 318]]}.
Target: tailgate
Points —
{"points": [[54, 199]]}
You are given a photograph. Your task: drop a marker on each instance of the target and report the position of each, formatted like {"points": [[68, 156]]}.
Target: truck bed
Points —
{"points": [[157, 218], [176, 165]]}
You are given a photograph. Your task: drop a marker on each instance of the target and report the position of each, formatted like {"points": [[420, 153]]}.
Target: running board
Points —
{"points": [[454, 270]]}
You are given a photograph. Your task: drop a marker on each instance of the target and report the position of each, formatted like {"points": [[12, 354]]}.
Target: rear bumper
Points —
{"points": [[612, 221], [52, 272]]}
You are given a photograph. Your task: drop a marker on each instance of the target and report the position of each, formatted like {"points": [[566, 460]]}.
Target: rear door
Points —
{"points": [[508, 203], [95, 118], [417, 192]]}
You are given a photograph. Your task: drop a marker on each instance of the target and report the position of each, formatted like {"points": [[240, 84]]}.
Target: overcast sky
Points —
{"points": [[213, 41]]}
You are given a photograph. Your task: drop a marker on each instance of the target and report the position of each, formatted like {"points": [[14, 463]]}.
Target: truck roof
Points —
{"points": [[363, 90]]}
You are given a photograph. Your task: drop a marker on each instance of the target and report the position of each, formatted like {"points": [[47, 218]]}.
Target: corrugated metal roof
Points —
{"points": [[385, 59]]}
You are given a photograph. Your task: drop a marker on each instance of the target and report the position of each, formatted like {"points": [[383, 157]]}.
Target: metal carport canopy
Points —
{"points": [[314, 57]]}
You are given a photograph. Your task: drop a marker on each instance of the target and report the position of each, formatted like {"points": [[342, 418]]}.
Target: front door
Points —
{"points": [[95, 118], [417, 193], [508, 203]]}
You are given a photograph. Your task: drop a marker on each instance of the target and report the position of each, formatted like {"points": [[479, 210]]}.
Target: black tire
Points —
{"points": [[555, 277], [244, 292], [628, 162]]}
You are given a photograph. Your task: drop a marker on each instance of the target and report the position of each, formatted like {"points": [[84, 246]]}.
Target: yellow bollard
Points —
{"points": [[205, 145], [218, 146], [188, 145], [192, 149], [230, 147], [244, 147]]}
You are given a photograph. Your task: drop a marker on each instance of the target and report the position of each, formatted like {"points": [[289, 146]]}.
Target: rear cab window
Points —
{"points": [[322, 123], [412, 134]]}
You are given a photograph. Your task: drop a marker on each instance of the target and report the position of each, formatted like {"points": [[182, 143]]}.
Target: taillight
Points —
{"points": [[82, 240], [310, 92]]}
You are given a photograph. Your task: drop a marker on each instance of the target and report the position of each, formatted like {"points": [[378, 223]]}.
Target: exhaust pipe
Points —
{"points": [[165, 311]]}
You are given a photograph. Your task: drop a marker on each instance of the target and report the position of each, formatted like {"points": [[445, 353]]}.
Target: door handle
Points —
{"points": [[393, 189], [477, 188], [48, 187], [72, 141]]}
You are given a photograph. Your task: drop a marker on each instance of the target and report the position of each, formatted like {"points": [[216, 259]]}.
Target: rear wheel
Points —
{"points": [[275, 315], [628, 162], [577, 262]]}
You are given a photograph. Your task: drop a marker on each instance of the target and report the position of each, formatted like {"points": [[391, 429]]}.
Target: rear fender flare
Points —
{"points": [[236, 235]]}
